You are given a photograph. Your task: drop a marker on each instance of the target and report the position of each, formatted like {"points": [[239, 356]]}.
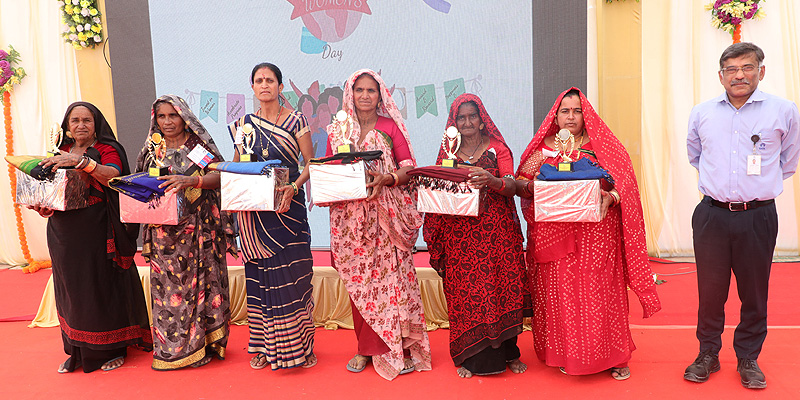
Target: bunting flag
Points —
{"points": [[425, 96], [208, 105], [453, 89], [235, 106]]}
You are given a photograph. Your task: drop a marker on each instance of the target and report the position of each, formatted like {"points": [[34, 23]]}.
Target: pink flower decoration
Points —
{"points": [[175, 300]]}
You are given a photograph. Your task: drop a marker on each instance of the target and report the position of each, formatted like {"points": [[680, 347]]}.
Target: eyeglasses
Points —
{"points": [[747, 69]]}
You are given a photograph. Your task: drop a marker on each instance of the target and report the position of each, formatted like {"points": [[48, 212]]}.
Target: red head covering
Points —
{"points": [[612, 156], [489, 128]]}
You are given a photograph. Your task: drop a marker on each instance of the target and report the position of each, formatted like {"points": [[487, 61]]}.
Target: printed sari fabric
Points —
{"points": [[482, 264], [99, 299], [371, 243], [580, 271], [188, 267], [277, 253]]}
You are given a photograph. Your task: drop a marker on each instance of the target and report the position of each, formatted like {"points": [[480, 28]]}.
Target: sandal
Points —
{"points": [[259, 361], [621, 374], [408, 366], [358, 362], [311, 361], [203, 361], [112, 364], [63, 369]]}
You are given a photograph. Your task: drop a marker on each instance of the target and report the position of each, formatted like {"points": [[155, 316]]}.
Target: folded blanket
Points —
{"points": [[348, 158], [140, 186], [30, 165], [247, 168], [581, 170]]}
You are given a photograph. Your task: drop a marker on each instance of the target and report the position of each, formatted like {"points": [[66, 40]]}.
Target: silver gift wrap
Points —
{"points": [[567, 201], [332, 183], [241, 192], [466, 202], [164, 210], [68, 190]]}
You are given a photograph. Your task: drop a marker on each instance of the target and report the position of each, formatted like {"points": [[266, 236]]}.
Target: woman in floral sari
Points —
{"points": [[371, 239], [581, 270], [277, 245], [188, 266], [480, 258]]}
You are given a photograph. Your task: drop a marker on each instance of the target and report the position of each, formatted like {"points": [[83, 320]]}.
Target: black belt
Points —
{"points": [[742, 205]]}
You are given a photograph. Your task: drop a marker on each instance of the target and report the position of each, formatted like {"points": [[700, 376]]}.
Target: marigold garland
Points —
{"points": [[10, 76], [82, 23]]}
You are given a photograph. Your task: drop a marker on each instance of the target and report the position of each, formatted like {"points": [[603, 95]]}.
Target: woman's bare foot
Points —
{"points": [[113, 364], [517, 366], [311, 361], [463, 372]]}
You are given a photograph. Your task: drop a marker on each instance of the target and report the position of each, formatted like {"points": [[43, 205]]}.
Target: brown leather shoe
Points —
{"points": [[702, 367], [752, 377]]}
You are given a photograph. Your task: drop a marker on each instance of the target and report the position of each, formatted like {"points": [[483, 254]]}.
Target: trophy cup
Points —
{"points": [[564, 137], [343, 121], [451, 142], [157, 148], [247, 139], [55, 139]]}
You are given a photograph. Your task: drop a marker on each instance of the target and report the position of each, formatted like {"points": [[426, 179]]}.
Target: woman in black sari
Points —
{"points": [[99, 298]]}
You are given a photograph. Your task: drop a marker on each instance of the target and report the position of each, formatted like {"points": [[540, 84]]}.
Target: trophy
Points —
{"points": [[56, 134], [343, 121], [245, 136], [451, 142], [564, 137], [157, 148]]}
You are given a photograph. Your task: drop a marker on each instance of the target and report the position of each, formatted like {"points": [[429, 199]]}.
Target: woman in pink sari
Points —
{"points": [[371, 239]]}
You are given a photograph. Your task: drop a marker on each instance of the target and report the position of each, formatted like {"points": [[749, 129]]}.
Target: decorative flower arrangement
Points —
{"points": [[82, 23], [728, 14], [9, 76]]}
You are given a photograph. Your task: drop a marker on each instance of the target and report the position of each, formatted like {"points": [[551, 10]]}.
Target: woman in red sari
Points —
{"points": [[480, 258], [580, 271]]}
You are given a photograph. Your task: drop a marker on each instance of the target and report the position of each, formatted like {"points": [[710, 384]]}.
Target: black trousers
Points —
{"points": [[741, 242]]}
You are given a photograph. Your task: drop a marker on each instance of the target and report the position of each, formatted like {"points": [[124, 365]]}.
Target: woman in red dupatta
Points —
{"points": [[580, 271], [480, 258], [371, 239]]}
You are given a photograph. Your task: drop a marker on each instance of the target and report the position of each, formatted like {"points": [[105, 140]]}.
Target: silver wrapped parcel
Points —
{"points": [[163, 210], [567, 201], [242, 192], [68, 190], [464, 202], [331, 183]]}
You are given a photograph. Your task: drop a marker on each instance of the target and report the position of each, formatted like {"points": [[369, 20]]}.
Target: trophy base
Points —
{"points": [[565, 167], [247, 158], [156, 171], [345, 148], [449, 163]]}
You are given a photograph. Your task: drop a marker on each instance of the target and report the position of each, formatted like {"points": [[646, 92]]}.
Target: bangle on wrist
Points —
{"points": [[502, 185], [395, 178], [90, 166], [82, 162], [199, 184], [527, 188], [295, 188]]}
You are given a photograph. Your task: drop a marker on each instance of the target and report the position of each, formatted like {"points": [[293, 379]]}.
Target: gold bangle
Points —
{"points": [[199, 184], [296, 189], [90, 167], [395, 178]]}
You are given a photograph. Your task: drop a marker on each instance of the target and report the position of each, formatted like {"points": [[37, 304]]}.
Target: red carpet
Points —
{"points": [[665, 346]]}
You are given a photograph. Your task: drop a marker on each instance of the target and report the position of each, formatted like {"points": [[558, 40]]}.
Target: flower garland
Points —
{"points": [[82, 23], [728, 15], [10, 76]]}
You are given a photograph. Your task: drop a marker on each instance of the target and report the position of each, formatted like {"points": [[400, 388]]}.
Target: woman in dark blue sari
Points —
{"points": [[277, 245]]}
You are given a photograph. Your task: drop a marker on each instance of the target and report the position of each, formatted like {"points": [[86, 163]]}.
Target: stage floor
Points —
{"points": [[665, 346]]}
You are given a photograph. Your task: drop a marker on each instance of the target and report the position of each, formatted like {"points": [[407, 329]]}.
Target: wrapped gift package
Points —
{"points": [[163, 210], [331, 183], [464, 202], [567, 201], [243, 192], [68, 190]]}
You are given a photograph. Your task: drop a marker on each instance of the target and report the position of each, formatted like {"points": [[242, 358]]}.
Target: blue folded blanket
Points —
{"points": [[141, 186], [581, 169], [247, 168]]}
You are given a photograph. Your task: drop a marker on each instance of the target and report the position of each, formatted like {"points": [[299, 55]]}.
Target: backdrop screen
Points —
{"points": [[429, 51]]}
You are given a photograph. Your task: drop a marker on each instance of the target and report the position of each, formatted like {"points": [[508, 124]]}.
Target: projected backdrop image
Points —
{"points": [[427, 51]]}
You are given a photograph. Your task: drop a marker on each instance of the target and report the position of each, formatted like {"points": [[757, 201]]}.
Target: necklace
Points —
{"points": [[478, 146], [265, 151], [84, 150]]}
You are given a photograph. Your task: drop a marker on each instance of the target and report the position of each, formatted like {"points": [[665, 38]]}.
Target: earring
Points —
{"points": [[481, 126], [69, 134]]}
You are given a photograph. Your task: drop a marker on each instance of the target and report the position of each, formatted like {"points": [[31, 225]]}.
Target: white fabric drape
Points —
{"points": [[680, 59], [33, 28]]}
